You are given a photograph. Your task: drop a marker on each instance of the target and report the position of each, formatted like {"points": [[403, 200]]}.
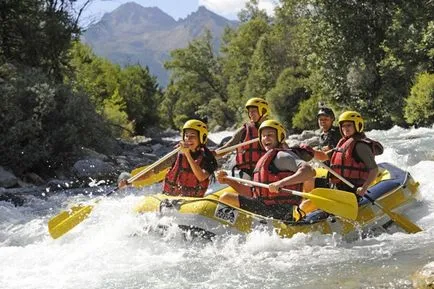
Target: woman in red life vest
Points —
{"points": [[247, 156], [192, 167], [354, 156], [280, 168]]}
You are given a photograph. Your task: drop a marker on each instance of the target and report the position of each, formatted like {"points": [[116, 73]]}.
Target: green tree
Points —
{"points": [[237, 49], [419, 109], [139, 90], [196, 78], [44, 123], [285, 98], [38, 33]]}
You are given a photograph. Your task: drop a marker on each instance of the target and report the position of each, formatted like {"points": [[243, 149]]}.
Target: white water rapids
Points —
{"points": [[111, 249]]}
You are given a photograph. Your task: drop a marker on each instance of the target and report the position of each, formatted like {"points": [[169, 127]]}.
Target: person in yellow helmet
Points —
{"points": [[280, 168], [191, 168], [247, 156], [354, 156]]}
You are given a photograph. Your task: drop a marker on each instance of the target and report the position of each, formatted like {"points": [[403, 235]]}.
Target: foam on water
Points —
{"points": [[115, 248]]}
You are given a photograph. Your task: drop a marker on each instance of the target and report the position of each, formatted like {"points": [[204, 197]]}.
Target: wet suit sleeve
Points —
{"points": [[365, 154], [287, 161]]}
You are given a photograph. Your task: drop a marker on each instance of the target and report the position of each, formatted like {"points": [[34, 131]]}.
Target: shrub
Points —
{"points": [[419, 108]]}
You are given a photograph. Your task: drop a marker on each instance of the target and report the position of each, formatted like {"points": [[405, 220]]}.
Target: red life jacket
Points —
{"points": [[247, 156], [181, 181], [345, 163], [265, 172]]}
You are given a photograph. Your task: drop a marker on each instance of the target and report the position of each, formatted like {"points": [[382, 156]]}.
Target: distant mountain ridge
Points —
{"points": [[134, 34]]}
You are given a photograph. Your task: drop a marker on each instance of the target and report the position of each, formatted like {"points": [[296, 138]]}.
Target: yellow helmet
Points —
{"points": [[355, 117], [199, 126], [260, 103], [281, 133]]}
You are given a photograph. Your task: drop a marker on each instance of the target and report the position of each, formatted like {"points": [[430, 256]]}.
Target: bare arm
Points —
{"points": [[304, 173], [236, 139], [320, 155], [371, 177], [200, 173], [367, 156], [240, 188]]}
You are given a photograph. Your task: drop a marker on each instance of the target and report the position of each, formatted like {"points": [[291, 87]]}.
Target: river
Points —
{"points": [[111, 249]]}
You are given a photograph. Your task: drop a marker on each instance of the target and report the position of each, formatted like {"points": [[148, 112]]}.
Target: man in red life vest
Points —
{"points": [[280, 168], [192, 167], [247, 156], [354, 156]]}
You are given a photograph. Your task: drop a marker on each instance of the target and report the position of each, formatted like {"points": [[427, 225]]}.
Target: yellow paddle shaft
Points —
{"points": [[153, 166], [231, 148], [257, 184]]}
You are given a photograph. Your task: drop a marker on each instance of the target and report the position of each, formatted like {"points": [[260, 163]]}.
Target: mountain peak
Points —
{"points": [[135, 34], [135, 14]]}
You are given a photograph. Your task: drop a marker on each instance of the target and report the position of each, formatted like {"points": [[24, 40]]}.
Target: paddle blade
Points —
{"points": [[155, 178], [336, 202], [66, 220], [402, 221]]}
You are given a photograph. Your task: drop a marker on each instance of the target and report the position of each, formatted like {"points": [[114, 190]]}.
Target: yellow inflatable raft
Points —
{"points": [[393, 189]]}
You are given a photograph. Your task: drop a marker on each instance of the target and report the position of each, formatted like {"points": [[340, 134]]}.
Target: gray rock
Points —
{"points": [[157, 147], [313, 141], [12, 198], [307, 134], [7, 179], [140, 139], [91, 154], [93, 168]]}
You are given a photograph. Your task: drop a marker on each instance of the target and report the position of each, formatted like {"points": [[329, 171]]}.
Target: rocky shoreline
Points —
{"points": [[93, 169]]}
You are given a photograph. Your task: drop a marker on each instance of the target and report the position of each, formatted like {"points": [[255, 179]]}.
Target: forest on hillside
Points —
{"points": [[57, 96]]}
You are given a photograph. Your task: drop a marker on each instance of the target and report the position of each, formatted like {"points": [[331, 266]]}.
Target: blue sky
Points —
{"points": [[175, 8]]}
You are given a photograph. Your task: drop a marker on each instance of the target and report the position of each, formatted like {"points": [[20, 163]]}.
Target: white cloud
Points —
{"points": [[232, 7]]}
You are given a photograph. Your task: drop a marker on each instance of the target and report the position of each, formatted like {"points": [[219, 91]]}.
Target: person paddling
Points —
{"points": [[354, 156], [191, 168], [247, 156], [280, 168]]}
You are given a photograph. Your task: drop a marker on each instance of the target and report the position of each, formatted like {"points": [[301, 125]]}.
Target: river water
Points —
{"points": [[114, 247]]}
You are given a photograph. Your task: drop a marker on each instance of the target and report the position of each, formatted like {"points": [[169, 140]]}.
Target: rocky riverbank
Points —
{"points": [[90, 169], [94, 170]]}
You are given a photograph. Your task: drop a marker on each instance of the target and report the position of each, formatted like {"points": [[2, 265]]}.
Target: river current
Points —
{"points": [[116, 248]]}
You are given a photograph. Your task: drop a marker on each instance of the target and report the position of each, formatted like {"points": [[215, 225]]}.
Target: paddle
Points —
{"points": [[402, 221], [336, 202], [66, 220], [231, 148], [158, 177]]}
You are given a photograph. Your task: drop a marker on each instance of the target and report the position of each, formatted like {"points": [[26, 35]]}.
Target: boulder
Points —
{"points": [[12, 198], [307, 134], [424, 278], [93, 168], [91, 154], [7, 179]]}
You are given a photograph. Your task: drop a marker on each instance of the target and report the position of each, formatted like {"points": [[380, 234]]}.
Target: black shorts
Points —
{"points": [[281, 212]]}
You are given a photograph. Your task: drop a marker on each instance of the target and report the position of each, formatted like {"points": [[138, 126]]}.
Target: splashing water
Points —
{"points": [[115, 248]]}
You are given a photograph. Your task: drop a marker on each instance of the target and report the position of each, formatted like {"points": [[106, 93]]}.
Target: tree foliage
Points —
{"points": [[419, 109], [44, 123], [127, 97], [196, 78]]}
